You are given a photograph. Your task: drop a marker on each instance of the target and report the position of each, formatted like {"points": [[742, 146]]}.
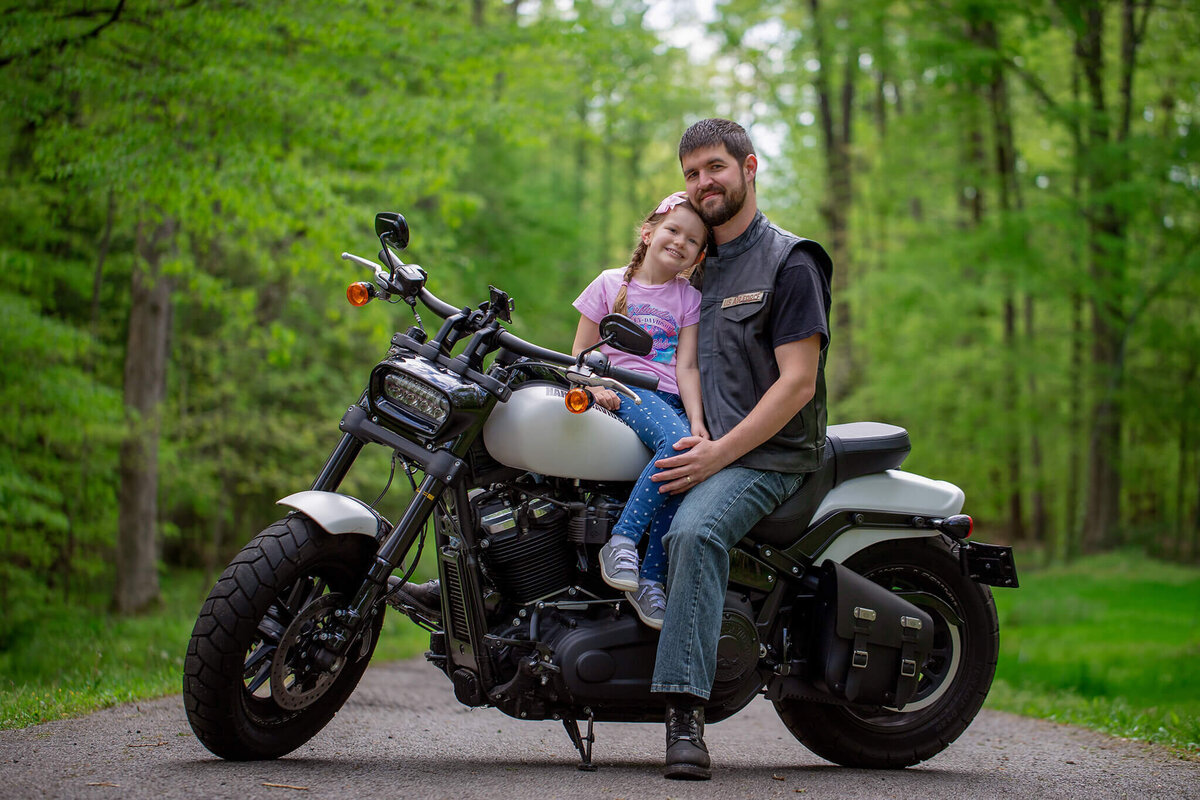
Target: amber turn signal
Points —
{"points": [[578, 400], [359, 294]]}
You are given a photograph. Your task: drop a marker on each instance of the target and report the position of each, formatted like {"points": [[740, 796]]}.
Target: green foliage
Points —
{"points": [[1109, 642]]}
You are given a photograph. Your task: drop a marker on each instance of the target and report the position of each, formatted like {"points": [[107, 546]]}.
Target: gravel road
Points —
{"points": [[402, 735]]}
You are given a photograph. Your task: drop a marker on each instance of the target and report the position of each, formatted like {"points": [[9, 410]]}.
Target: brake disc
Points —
{"points": [[296, 680]]}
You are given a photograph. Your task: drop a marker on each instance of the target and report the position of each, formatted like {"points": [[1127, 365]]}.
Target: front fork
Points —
{"points": [[393, 544]]}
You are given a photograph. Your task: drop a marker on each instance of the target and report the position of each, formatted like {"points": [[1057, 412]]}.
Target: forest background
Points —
{"points": [[1009, 189]]}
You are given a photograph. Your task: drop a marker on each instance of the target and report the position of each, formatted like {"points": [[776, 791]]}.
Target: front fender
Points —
{"points": [[338, 513]]}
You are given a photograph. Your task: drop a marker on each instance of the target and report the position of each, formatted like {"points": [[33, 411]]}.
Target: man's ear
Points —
{"points": [[750, 167]]}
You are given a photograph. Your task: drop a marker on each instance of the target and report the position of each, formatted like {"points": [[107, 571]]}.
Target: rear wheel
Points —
{"points": [[254, 685], [953, 682]]}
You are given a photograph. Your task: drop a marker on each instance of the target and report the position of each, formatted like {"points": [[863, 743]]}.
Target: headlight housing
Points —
{"points": [[423, 401]]}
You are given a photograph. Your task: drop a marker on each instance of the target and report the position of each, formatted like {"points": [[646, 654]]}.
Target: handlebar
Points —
{"points": [[516, 344], [509, 340]]}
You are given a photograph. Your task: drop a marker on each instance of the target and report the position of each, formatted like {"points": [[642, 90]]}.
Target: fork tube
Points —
{"points": [[396, 544], [340, 460], [338, 464]]}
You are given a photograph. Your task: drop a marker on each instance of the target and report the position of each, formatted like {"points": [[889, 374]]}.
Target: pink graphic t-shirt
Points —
{"points": [[662, 311]]}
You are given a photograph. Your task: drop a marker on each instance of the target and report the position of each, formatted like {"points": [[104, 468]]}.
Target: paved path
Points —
{"points": [[403, 736]]}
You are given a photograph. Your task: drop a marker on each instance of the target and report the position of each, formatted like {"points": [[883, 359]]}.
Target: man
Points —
{"points": [[764, 330]]}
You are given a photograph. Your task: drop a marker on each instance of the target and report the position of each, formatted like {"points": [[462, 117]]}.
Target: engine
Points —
{"points": [[534, 538], [536, 541]]}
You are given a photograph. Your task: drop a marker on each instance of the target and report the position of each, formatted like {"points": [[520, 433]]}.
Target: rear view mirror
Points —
{"points": [[392, 229], [619, 331]]}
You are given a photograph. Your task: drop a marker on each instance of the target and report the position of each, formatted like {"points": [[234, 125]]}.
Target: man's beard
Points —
{"points": [[733, 201]]}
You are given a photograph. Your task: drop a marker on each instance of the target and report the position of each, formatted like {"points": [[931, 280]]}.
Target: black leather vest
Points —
{"points": [[737, 358]]}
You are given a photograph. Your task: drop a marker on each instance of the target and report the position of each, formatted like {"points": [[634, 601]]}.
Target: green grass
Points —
{"points": [[1110, 642], [65, 661]]}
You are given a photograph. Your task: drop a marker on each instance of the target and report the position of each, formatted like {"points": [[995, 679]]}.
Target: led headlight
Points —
{"points": [[414, 395]]}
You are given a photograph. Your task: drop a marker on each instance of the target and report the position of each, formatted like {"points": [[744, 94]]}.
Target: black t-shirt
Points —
{"points": [[801, 306]]}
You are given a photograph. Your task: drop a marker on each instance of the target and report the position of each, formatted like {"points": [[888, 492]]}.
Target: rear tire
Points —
{"points": [[954, 681], [229, 679]]}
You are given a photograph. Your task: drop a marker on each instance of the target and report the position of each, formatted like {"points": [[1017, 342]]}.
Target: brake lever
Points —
{"points": [[585, 377], [381, 277]]}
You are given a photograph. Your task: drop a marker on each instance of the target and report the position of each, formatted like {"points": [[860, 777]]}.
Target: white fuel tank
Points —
{"points": [[535, 431]]}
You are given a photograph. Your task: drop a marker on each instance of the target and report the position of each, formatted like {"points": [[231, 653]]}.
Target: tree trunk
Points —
{"points": [[1020, 480], [145, 387], [836, 208], [1185, 452], [1102, 512]]}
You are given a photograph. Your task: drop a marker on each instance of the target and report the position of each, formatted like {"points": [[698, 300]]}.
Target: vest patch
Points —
{"points": [[739, 299]]}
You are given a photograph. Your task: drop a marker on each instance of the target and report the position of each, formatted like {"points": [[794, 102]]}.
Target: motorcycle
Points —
{"points": [[859, 608]]}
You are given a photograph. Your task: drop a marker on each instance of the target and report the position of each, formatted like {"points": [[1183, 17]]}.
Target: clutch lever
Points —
{"points": [[583, 376]]}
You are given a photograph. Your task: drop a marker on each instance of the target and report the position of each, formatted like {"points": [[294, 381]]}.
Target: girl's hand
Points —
{"points": [[699, 430], [605, 398]]}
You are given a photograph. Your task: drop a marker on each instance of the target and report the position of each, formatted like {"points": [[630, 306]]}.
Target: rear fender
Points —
{"points": [[856, 540], [338, 513], [890, 492]]}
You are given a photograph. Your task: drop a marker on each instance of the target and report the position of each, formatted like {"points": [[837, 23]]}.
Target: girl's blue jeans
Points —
{"points": [[659, 422]]}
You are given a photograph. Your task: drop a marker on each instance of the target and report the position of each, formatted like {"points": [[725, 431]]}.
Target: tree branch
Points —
{"points": [[62, 43]]}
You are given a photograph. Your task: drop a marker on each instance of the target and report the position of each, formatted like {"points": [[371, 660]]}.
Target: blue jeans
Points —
{"points": [[659, 422], [713, 517]]}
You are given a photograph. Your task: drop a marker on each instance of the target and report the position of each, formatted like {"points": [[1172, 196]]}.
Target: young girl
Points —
{"points": [[654, 291]]}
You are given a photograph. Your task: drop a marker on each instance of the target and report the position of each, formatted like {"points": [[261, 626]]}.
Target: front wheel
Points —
{"points": [[953, 682], [257, 683]]}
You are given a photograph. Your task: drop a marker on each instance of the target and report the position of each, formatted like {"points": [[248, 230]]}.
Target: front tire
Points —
{"points": [[242, 702], [954, 681]]}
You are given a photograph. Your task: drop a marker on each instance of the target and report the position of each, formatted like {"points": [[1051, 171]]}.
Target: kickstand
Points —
{"points": [[582, 743]]}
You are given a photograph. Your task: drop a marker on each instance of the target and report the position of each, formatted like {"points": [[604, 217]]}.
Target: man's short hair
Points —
{"points": [[713, 132]]}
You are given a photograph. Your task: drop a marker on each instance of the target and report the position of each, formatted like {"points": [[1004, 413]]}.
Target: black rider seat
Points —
{"points": [[852, 449]]}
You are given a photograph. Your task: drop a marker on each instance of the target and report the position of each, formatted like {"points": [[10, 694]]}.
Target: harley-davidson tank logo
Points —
{"points": [[739, 299]]}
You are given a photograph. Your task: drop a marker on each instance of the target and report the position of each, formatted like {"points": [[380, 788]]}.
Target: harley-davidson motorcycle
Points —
{"points": [[859, 608]]}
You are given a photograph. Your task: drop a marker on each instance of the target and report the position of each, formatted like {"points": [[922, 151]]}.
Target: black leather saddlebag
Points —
{"points": [[871, 644]]}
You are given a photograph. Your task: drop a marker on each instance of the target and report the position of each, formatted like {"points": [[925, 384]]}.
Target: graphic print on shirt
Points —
{"points": [[662, 326]]}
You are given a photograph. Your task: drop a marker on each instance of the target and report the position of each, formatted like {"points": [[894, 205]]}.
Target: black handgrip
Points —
{"points": [[628, 377], [521, 347], [439, 307]]}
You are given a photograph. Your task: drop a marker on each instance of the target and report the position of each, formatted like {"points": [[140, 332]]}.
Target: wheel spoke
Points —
{"points": [[264, 673], [263, 652]]}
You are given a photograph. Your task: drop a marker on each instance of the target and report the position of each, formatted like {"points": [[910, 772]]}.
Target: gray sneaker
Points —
{"points": [[619, 566], [650, 603]]}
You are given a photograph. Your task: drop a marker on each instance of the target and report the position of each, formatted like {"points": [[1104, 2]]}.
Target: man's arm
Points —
{"points": [[797, 383]]}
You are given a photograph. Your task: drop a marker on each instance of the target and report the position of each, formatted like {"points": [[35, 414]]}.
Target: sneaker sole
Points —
{"points": [[617, 583], [649, 622]]}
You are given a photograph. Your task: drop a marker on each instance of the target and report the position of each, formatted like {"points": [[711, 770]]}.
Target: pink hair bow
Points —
{"points": [[670, 201]]}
